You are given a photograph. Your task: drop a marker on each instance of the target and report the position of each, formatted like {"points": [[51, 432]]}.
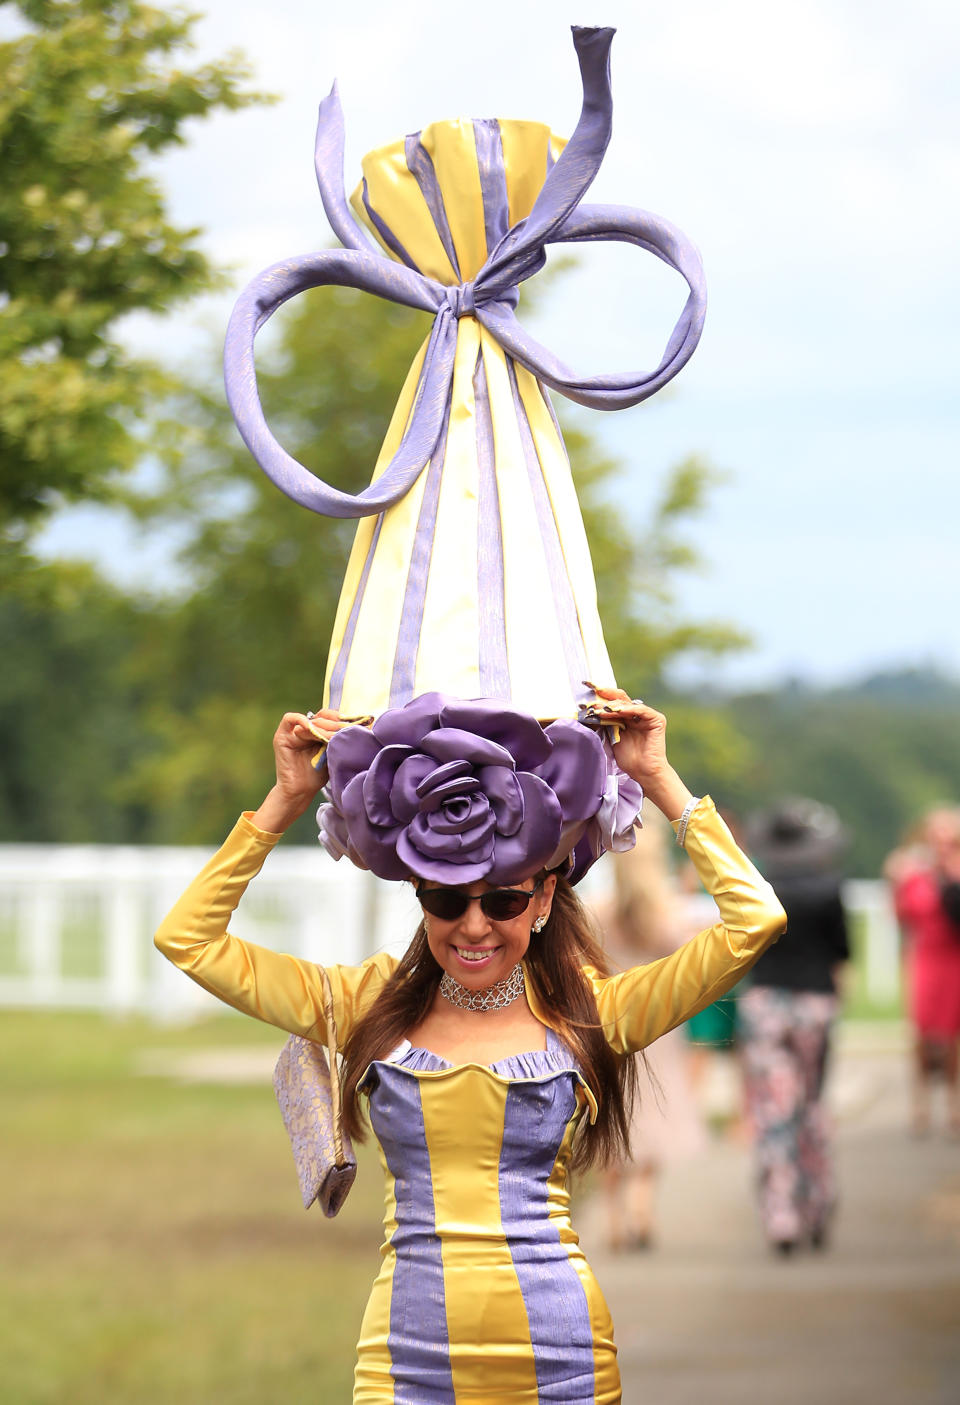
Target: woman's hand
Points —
{"points": [[642, 752], [295, 745]]}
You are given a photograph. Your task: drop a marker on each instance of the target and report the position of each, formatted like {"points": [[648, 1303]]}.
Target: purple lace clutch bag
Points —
{"points": [[306, 1081]]}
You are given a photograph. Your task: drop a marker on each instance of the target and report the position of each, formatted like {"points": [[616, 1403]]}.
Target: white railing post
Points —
{"points": [[42, 909], [881, 959], [121, 946]]}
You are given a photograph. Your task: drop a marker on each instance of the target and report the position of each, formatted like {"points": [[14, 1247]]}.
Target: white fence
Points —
{"points": [[77, 923]]}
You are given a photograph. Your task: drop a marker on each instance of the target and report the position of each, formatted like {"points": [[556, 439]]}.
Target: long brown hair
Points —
{"points": [[554, 960]]}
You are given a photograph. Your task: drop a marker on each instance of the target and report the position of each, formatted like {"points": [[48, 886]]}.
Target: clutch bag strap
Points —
{"points": [[335, 1100]]}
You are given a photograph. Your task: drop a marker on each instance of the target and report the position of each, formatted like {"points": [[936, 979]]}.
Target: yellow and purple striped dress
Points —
{"points": [[484, 1294]]}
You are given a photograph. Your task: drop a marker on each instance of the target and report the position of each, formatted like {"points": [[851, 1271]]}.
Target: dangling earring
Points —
{"points": [[539, 925]]}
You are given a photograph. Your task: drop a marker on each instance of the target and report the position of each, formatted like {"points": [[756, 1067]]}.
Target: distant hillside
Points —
{"points": [[914, 687], [881, 751]]}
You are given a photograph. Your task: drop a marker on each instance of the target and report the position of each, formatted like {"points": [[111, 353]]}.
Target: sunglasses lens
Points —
{"points": [[501, 905], [446, 903]]}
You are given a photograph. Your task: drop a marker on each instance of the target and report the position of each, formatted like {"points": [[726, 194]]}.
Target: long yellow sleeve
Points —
{"points": [[280, 990], [639, 1005]]}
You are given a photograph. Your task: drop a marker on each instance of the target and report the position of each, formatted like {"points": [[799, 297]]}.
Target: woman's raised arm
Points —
{"points": [[639, 1005], [281, 990]]}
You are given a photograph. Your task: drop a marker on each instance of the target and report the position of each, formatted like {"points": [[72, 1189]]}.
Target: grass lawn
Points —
{"points": [[153, 1247]]}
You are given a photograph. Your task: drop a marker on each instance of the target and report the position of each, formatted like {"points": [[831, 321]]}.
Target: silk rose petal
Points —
{"points": [[355, 750], [505, 794], [575, 770], [453, 744], [376, 844], [378, 784], [519, 733], [519, 856], [334, 836], [408, 725], [616, 822], [405, 793]]}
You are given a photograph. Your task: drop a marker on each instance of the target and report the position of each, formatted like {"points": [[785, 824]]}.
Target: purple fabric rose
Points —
{"points": [[456, 791]]}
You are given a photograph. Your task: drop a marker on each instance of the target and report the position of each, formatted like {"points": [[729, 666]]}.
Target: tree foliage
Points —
{"points": [[70, 710], [89, 94]]}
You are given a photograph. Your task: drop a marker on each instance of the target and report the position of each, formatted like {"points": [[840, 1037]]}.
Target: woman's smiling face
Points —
{"points": [[475, 949]]}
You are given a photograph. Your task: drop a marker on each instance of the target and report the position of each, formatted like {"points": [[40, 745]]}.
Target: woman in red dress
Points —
{"points": [[926, 885]]}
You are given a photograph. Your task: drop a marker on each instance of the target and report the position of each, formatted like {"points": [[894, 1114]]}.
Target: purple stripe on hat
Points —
{"points": [[385, 232], [417, 1340], [403, 682], [343, 657], [557, 1309], [494, 667], [493, 180], [568, 617], [420, 164]]}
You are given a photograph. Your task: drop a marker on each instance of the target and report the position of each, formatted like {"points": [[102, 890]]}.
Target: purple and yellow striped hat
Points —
{"points": [[468, 616]]}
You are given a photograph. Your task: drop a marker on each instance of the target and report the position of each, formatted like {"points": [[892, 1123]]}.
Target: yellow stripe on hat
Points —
{"points": [[357, 677], [453, 150], [525, 147], [370, 667], [538, 673], [448, 656], [395, 195], [566, 510]]}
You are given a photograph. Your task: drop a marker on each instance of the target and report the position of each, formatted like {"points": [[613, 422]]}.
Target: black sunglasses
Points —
{"points": [[500, 904]]}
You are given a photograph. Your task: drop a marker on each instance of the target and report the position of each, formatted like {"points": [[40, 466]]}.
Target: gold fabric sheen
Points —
{"points": [[636, 1006]]}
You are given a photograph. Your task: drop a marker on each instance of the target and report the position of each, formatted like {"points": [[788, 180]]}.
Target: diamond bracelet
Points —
{"points": [[684, 820]]}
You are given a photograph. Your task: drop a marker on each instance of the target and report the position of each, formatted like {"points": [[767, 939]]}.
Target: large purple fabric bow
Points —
{"points": [[556, 217], [457, 791]]}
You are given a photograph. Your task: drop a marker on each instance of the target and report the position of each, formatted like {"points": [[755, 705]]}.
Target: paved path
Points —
{"points": [[709, 1317]]}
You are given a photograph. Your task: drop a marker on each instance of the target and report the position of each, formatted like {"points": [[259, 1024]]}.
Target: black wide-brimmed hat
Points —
{"points": [[796, 835]]}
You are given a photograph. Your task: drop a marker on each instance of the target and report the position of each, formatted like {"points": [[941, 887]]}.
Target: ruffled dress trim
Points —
{"points": [[537, 1065]]}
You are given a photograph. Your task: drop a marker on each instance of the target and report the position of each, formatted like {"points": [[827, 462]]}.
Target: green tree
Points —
{"points": [[90, 92], [70, 708]]}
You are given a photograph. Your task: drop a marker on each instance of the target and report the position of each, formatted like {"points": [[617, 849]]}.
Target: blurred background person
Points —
{"points": [[786, 1017], [926, 890], [712, 1033], [714, 1047], [641, 922]]}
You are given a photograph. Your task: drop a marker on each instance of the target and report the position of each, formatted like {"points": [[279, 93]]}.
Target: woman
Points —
{"points": [[492, 1059], [786, 1023], [923, 879]]}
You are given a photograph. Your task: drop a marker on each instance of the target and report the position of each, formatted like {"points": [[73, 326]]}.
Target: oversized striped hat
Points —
{"points": [[469, 591]]}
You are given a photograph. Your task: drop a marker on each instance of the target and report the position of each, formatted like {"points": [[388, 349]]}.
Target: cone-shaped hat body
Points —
{"points": [[478, 582]]}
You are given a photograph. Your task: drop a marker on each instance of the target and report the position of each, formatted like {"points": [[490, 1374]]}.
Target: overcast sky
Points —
{"points": [[810, 150]]}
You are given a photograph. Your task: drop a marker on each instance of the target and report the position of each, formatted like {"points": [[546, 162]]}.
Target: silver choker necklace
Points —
{"points": [[492, 997]]}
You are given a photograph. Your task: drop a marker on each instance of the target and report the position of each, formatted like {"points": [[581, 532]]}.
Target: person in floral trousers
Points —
{"points": [[786, 1021]]}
